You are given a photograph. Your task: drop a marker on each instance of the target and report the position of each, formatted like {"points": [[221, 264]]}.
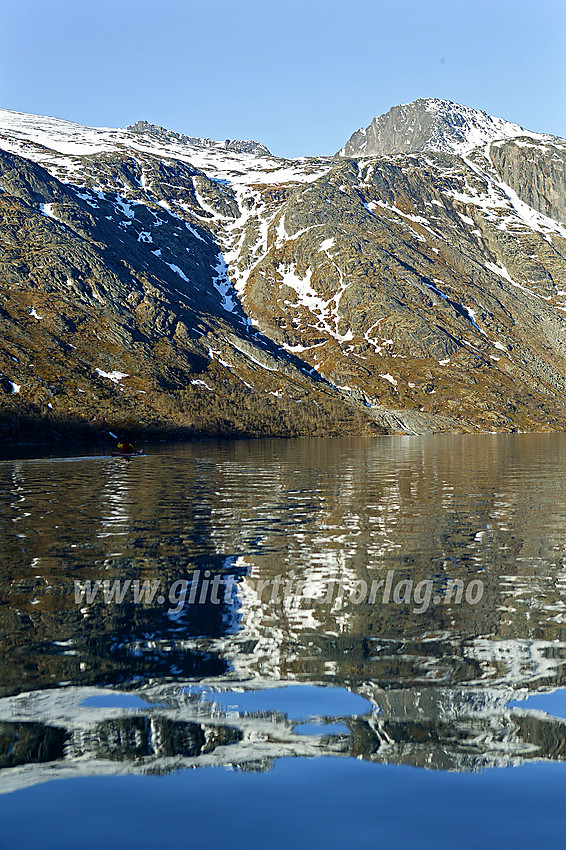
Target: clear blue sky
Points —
{"points": [[298, 76]]}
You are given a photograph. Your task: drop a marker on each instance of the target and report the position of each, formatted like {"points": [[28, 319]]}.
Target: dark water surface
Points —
{"points": [[352, 639]]}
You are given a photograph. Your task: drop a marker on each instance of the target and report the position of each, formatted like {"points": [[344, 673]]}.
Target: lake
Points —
{"points": [[278, 643]]}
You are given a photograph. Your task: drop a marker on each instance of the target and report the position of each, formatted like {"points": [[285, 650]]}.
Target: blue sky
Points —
{"points": [[298, 76]]}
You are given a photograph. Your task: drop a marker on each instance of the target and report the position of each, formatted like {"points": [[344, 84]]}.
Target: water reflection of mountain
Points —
{"points": [[450, 730], [487, 508]]}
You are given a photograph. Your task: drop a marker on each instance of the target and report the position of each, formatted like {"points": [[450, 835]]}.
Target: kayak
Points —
{"points": [[127, 454]]}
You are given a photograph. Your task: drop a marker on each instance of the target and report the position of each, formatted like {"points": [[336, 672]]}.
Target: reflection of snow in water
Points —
{"points": [[243, 722], [116, 501], [517, 662], [18, 498]]}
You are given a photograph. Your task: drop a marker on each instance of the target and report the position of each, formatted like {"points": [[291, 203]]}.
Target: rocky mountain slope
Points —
{"points": [[162, 282]]}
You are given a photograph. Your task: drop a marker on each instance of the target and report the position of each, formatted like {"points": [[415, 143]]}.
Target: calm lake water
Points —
{"points": [[285, 643]]}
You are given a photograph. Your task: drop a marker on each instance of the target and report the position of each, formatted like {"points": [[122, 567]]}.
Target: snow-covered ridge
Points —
{"points": [[57, 134], [54, 141]]}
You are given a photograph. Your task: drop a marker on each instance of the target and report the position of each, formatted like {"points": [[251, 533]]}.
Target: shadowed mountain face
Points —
{"points": [[163, 282], [307, 665]]}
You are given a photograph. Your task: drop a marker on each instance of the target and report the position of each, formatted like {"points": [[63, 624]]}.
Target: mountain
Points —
{"points": [[117, 308], [431, 124], [172, 284]]}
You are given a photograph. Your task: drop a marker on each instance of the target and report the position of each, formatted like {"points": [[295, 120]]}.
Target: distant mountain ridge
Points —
{"points": [[238, 145], [431, 124]]}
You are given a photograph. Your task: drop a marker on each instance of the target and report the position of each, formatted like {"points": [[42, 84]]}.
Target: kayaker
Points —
{"points": [[125, 446]]}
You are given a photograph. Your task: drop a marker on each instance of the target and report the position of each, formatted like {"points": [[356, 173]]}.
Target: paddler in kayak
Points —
{"points": [[125, 447]]}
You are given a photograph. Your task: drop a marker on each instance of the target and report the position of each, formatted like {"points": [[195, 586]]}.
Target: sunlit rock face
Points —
{"points": [[432, 124], [160, 281]]}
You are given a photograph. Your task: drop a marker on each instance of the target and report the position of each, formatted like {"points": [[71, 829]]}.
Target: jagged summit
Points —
{"points": [[238, 145], [431, 124]]}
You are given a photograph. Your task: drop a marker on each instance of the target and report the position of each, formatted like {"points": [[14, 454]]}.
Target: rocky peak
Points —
{"points": [[238, 145], [431, 124]]}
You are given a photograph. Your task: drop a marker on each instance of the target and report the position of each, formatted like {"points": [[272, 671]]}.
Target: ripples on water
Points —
{"points": [[435, 685]]}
